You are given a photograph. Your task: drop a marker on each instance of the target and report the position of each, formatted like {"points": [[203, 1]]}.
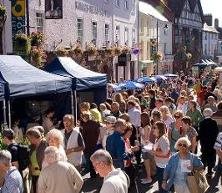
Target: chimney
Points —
{"points": [[208, 19], [216, 23]]}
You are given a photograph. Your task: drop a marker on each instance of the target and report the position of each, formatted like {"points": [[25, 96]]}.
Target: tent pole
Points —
{"points": [[4, 112], [72, 103], [9, 114], [76, 113]]}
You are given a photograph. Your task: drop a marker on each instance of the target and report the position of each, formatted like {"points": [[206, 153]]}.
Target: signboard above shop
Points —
{"points": [[88, 8]]}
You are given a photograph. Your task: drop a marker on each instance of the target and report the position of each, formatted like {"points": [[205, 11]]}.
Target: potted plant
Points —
{"points": [[22, 44], [37, 39]]}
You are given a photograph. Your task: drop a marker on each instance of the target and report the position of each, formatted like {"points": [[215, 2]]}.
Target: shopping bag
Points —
{"points": [[197, 182]]}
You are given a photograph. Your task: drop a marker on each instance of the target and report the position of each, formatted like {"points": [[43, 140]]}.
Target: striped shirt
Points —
{"points": [[218, 143]]}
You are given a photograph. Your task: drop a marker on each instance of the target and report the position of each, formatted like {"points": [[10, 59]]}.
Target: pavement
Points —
{"points": [[94, 185]]}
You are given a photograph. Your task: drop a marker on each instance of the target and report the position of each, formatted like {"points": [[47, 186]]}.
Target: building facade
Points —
{"points": [[155, 36], [65, 22], [210, 42]]}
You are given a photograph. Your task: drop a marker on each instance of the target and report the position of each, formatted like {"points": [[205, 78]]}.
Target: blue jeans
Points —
{"points": [[159, 176]]}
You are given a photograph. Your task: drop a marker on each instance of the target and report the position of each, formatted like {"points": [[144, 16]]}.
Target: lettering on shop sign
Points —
{"points": [[90, 8]]}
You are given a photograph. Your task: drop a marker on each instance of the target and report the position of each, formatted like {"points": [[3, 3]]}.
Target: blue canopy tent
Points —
{"points": [[82, 79], [129, 85], [2, 98], [23, 79], [145, 80]]}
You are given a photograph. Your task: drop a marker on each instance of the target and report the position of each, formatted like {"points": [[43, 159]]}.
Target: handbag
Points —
{"points": [[197, 182]]}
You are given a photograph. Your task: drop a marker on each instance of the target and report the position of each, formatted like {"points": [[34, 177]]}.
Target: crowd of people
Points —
{"points": [[171, 127]]}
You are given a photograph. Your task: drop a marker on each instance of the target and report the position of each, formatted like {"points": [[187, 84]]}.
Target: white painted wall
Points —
{"points": [[210, 43]]}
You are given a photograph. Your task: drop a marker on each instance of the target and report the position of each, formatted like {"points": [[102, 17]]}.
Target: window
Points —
{"points": [[80, 29], [133, 37], [39, 22], [126, 36], [117, 2], [126, 5], [165, 48], [117, 34], [94, 32], [106, 33]]}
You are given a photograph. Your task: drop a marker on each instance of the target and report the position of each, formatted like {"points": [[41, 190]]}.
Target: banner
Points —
{"points": [[53, 9], [18, 8]]}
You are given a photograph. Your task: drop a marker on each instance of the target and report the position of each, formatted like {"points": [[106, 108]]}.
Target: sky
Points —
{"points": [[213, 7]]}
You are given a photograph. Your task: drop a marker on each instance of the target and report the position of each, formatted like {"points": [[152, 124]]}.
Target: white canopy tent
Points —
{"points": [[150, 10]]}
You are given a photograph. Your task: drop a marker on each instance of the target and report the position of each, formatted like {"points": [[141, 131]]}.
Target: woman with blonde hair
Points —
{"points": [[167, 117], [179, 166]]}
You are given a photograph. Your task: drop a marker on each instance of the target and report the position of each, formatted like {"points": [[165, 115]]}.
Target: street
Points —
{"points": [[93, 185]]}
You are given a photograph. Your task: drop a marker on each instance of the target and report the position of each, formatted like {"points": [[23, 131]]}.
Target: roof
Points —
{"points": [[208, 28], [23, 79], [177, 6], [83, 79], [150, 10]]}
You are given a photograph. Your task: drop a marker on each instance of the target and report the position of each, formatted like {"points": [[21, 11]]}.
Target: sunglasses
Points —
{"points": [[182, 145]]}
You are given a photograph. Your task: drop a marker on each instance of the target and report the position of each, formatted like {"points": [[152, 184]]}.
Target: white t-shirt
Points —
{"points": [[163, 145]]}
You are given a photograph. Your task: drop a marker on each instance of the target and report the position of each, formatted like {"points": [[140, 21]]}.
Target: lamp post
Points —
{"points": [[3, 17], [157, 42]]}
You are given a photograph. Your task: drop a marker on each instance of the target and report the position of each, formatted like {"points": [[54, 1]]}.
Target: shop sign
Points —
{"points": [[90, 8], [17, 17]]}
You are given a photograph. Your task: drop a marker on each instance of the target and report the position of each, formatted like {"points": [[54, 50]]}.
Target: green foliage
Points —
{"points": [[37, 39], [2, 11], [156, 57], [22, 44]]}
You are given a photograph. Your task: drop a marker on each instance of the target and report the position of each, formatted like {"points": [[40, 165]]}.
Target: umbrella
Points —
{"points": [[159, 78], [145, 80], [171, 75], [130, 85]]}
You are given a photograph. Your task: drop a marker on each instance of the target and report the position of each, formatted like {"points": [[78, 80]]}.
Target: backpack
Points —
{"points": [[23, 156]]}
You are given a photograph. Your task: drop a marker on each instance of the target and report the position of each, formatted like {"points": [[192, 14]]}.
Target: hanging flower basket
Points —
{"points": [[22, 44], [117, 50], [62, 52], [3, 15], [91, 50], [126, 50], [37, 39], [109, 52], [156, 57], [77, 51]]}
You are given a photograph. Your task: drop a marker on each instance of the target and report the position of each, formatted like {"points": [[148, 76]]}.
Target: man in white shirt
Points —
{"points": [[134, 114], [115, 180]]}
